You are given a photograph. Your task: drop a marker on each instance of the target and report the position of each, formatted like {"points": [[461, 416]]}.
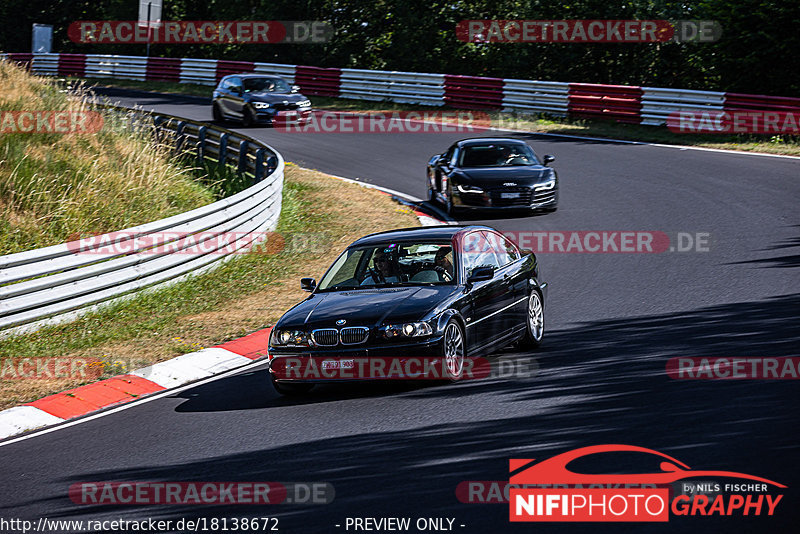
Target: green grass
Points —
{"points": [[789, 145], [136, 317], [244, 294]]}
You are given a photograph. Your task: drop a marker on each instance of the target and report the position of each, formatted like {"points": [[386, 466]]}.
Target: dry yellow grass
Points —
{"points": [[55, 185]]}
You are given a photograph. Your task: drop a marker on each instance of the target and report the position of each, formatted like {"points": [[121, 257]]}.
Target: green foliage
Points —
{"points": [[757, 52]]}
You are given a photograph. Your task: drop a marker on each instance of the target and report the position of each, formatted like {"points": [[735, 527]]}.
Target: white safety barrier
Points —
{"points": [[57, 283], [536, 97], [658, 103], [402, 87]]}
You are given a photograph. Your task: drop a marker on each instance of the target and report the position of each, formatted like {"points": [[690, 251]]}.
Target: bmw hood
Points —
{"points": [[276, 98], [522, 174], [365, 307]]}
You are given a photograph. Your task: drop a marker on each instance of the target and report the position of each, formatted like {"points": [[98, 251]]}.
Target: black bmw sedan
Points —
{"points": [[257, 98], [421, 302], [492, 173]]}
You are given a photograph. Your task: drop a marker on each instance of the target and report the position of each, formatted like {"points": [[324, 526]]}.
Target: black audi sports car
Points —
{"points": [[259, 98], [441, 294], [492, 173]]}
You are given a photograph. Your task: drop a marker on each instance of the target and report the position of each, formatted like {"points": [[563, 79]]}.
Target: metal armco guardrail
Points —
{"points": [[642, 105], [59, 282]]}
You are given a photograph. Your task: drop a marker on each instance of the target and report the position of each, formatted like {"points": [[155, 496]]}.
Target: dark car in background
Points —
{"points": [[259, 99], [492, 173], [442, 293]]}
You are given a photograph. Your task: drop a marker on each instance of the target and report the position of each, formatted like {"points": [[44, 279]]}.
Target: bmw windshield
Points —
{"points": [[391, 264], [265, 85]]}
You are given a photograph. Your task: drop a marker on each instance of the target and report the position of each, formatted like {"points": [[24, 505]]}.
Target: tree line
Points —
{"points": [[757, 52]]}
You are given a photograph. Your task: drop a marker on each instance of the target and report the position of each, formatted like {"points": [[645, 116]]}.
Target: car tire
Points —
{"points": [[448, 202], [534, 322], [247, 117], [217, 113], [290, 389], [453, 351], [431, 195]]}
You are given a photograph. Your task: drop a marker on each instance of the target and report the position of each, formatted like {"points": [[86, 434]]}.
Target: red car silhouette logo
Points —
{"points": [[554, 470]]}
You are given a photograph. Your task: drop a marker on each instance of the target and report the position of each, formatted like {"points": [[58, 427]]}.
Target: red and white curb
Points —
{"points": [[126, 388], [159, 377]]}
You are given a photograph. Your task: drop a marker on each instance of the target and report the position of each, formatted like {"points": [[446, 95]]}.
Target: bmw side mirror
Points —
{"points": [[308, 284], [549, 158], [480, 274], [295, 88]]}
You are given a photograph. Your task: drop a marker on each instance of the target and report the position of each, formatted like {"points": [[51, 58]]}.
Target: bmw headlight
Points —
{"points": [[289, 338], [261, 105], [407, 330], [469, 189]]}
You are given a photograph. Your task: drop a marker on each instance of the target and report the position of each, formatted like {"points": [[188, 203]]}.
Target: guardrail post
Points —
{"points": [[180, 136], [201, 144], [243, 144], [223, 149], [157, 121], [272, 164], [259, 175]]}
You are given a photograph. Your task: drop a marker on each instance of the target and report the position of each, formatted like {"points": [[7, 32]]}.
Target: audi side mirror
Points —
{"points": [[548, 158], [480, 274], [295, 89], [308, 284]]}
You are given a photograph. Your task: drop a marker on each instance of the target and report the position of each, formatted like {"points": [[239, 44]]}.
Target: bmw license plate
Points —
{"points": [[509, 195], [328, 365], [289, 115]]}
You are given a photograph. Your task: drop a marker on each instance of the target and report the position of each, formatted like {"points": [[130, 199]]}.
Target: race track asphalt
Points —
{"points": [[613, 321]]}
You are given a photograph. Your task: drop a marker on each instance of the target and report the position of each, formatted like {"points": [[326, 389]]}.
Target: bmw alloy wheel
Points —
{"points": [[454, 350], [535, 317]]}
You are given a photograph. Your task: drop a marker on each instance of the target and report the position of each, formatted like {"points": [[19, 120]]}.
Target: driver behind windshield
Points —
{"points": [[384, 271], [264, 85], [444, 263]]}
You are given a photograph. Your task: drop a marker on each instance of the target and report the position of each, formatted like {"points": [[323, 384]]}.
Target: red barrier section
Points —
{"points": [[225, 68], [318, 81], [163, 69], [741, 102], [72, 64], [21, 58], [473, 92], [622, 103], [252, 346], [91, 397]]}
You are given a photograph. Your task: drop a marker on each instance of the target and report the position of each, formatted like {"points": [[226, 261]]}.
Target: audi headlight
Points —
{"points": [[407, 330], [550, 184], [469, 189], [304, 104], [289, 338], [261, 105]]}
